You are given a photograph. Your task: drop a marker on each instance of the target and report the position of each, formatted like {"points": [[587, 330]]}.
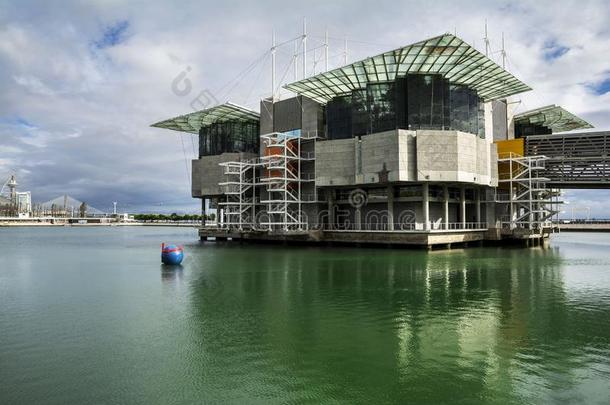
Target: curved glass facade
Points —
{"points": [[229, 136], [414, 102]]}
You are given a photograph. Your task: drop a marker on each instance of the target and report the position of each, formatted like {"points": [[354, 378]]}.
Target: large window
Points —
{"points": [[427, 102], [229, 136], [360, 114], [339, 118], [415, 102], [381, 107]]}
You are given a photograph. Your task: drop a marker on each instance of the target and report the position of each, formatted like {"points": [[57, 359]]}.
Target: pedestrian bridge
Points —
{"points": [[575, 160]]}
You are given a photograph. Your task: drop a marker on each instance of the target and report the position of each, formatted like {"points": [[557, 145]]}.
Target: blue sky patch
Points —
{"points": [[601, 87], [17, 122], [553, 50], [113, 35]]}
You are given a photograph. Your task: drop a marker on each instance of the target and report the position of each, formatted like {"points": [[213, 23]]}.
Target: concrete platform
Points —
{"points": [[398, 238]]}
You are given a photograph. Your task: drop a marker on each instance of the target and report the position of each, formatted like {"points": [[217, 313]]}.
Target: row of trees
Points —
{"points": [[173, 217]]}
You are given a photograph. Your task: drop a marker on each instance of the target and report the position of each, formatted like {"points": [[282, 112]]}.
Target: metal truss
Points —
{"points": [[523, 188], [240, 192], [577, 160]]}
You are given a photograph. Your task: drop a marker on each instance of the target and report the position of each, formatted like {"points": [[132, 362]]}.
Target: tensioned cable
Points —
{"points": [[260, 72], [188, 174]]}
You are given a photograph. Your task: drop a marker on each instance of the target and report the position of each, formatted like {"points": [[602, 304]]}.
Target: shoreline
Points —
{"points": [[49, 224]]}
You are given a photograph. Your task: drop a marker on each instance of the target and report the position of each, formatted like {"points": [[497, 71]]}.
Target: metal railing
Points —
{"points": [[405, 227]]}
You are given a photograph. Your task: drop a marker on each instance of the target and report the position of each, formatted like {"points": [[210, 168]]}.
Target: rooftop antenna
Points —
{"points": [[326, 50], [345, 51], [304, 48], [273, 65]]}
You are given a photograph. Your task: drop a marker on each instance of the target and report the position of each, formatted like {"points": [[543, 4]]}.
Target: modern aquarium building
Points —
{"points": [[415, 146]]}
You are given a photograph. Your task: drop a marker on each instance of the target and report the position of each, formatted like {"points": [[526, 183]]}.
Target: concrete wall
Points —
{"points": [[499, 120], [403, 156], [453, 156], [377, 158], [207, 173], [312, 119], [287, 114], [386, 157], [335, 162], [291, 113], [266, 117]]}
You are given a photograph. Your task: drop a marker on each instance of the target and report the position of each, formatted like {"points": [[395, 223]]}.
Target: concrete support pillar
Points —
{"points": [[478, 205], [217, 212], [446, 205], [203, 211], [426, 206], [390, 193], [330, 197], [463, 206]]}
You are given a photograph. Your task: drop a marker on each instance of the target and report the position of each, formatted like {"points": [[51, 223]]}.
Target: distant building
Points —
{"points": [[24, 203], [68, 207], [15, 203]]}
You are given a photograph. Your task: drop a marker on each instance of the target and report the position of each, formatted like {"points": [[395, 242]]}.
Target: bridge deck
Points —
{"points": [[576, 160]]}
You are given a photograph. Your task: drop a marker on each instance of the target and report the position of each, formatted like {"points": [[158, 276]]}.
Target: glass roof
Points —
{"points": [[447, 55], [221, 113], [553, 117]]}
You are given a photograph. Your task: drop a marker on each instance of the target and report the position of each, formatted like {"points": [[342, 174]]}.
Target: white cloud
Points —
{"points": [[91, 108]]}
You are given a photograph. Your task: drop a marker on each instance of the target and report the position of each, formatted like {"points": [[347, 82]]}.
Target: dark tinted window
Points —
{"points": [[229, 136], [381, 107], [339, 118], [416, 102]]}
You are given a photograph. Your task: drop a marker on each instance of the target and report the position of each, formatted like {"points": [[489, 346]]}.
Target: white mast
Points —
{"points": [[273, 65], [326, 51], [503, 53], [486, 39], [345, 52], [304, 48], [295, 60]]}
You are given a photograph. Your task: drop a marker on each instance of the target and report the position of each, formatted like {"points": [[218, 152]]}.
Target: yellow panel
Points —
{"points": [[515, 146], [505, 148]]}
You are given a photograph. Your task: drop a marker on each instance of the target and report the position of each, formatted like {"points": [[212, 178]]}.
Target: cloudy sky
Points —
{"points": [[81, 81]]}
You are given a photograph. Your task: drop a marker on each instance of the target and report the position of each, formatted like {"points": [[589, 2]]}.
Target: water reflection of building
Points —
{"points": [[478, 315]]}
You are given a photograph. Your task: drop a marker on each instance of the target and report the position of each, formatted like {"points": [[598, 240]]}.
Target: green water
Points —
{"points": [[88, 315]]}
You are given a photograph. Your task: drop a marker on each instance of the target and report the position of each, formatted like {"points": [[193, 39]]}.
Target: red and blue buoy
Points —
{"points": [[171, 254]]}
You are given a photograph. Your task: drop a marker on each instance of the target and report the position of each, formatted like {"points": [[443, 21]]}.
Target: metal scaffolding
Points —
{"points": [[283, 175], [240, 192], [530, 203]]}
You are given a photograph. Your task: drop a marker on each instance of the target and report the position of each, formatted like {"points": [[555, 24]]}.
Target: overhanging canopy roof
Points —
{"points": [[193, 122], [447, 55], [553, 117]]}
